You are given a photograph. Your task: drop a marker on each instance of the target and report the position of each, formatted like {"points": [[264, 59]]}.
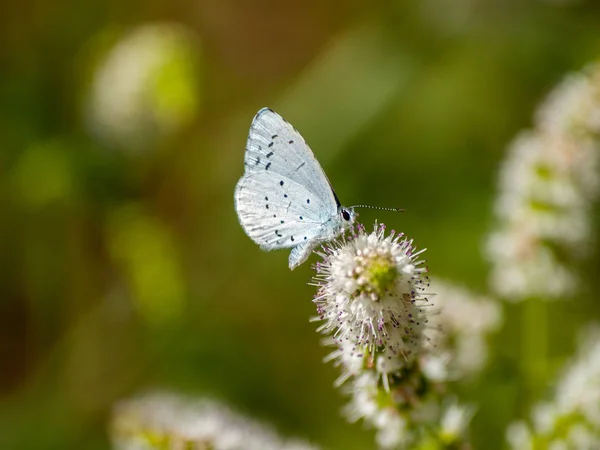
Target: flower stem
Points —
{"points": [[534, 354]]}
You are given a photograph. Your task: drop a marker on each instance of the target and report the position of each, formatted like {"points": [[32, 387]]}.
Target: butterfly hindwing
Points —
{"points": [[277, 212], [300, 253]]}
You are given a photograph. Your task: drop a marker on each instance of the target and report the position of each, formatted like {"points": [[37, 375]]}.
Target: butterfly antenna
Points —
{"points": [[378, 207]]}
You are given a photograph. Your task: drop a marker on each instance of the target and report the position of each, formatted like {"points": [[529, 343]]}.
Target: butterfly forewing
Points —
{"points": [[274, 146]]}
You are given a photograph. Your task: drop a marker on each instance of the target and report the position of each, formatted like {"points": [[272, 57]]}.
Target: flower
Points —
{"points": [[145, 87], [546, 188], [367, 403], [166, 420], [455, 420], [462, 323], [572, 418], [371, 297], [372, 300], [572, 107]]}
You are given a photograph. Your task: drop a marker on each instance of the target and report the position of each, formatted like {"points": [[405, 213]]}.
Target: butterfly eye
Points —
{"points": [[345, 214]]}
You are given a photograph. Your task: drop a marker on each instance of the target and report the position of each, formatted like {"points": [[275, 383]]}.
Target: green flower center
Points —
{"points": [[378, 274]]}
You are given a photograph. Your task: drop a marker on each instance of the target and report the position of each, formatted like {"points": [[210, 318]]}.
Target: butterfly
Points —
{"points": [[284, 199]]}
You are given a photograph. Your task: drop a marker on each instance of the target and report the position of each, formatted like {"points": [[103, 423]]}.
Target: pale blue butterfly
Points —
{"points": [[284, 199]]}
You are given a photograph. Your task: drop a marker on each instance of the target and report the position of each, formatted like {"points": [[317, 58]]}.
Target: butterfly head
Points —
{"points": [[347, 215]]}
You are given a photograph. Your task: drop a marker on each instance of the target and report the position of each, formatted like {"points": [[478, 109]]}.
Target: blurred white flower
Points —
{"points": [[573, 107], [519, 436], [572, 418], [366, 403], [391, 428], [463, 320], [435, 366], [546, 188], [164, 420], [579, 388], [397, 415], [145, 88], [455, 420]]}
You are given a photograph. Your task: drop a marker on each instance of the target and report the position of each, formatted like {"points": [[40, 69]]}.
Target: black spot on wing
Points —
{"points": [[269, 154], [268, 165], [271, 144]]}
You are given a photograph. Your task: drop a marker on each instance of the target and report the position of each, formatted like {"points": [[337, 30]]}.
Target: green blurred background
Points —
{"points": [[122, 132]]}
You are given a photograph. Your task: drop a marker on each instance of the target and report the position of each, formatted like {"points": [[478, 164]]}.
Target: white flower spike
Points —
{"points": [[371, 296], [167, 420], [548, 184], [372, 299]]}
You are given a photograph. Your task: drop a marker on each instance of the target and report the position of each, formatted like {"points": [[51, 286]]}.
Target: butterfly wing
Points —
{"points": [[277, 215], [275, 146], [284, 199]]}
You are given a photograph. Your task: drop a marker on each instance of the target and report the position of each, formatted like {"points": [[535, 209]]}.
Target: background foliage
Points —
{"points": [[122, 129]]}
